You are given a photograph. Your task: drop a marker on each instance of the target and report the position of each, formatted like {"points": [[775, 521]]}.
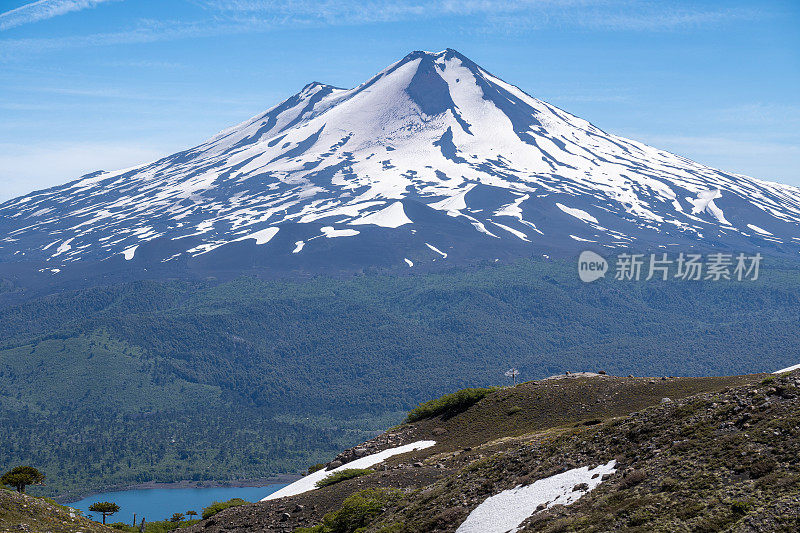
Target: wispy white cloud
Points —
{"points": [[228, 17], [43, 9], [146, 31], [147, 64], [114, 93], [502, 15]]}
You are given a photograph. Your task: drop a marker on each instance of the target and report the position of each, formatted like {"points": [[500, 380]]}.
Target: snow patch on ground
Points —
{"points": [[513, 209], [261, 237], [705, 202], [513, 231], [787, 369], [298, 246], [506, 511], [389, 217], [757, 229], [330, 232], [454, 204], [64, 247], [435, 249], [408, 261], [577, 213], [309, 482], [128, 253]]}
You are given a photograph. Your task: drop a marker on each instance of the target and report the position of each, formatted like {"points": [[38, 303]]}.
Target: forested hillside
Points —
{"points": [[178, 379]]}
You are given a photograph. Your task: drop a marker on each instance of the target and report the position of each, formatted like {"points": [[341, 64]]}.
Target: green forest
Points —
{"points": [[207, 380]]}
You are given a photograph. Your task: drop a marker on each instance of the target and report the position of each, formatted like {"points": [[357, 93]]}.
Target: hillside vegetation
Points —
{"points": [[691, 454], [20, 512], [175, 379]]}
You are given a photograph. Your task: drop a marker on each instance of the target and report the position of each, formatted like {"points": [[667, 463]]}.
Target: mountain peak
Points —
{"points": [[433, 158], [446, 54]]}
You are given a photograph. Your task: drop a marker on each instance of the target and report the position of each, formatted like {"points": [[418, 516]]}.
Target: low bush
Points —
{"points": [[449, 404], [741, 506], [314, 468], [358, 510], [341, 475], [162, 526], [216, 507]]}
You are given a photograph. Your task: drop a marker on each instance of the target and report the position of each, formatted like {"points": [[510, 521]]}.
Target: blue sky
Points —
{"points": [[105, 84]]}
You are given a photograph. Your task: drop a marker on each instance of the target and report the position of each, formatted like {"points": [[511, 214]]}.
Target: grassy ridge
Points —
{"points": [[275, 369]]}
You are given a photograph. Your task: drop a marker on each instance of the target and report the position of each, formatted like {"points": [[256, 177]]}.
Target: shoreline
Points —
{"points": [[69, 498]]}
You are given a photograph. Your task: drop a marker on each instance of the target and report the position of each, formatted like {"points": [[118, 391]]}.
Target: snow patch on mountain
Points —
{"points": [[309, 482], [705, 202], [580, 214], [432, 134], [330, 232], [787, 369], [757, 229], [438, 251], [128, 253], [390, 217], [505, 512], [262, 236]]}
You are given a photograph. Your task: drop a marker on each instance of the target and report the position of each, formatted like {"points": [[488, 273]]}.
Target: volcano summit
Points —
{"points": [[433, 159]]}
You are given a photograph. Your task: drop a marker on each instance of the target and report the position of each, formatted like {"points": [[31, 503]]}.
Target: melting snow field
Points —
{"points": [[330, 232], [506, 511], [757, 229], [787, 369], [391, 217], [352, 157], [309, 482], [580, 214], [438, 251], [130, 252], [261, 237]]}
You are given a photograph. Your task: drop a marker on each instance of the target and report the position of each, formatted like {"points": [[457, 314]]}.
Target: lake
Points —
{"points": [[160, 504]]}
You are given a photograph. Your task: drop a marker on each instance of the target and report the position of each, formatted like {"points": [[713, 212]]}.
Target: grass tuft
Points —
{"points": [[341, 475], [449, 404]]}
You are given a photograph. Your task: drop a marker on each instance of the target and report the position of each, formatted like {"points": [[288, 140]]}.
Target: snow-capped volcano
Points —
{"points": [[434, 158]]}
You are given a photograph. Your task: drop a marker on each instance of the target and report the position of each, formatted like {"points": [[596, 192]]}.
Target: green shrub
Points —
{"points": [[314, 468], [393, 528], [358, 510], [449, 404], [341, 475], [741, 506], [514, 410], [216, 507]]}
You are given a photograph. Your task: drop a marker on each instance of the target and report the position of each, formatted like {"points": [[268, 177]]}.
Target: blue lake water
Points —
{"points": [[160, 504]]}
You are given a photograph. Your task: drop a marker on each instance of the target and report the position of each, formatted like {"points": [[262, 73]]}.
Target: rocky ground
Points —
{"points": [[19, 512], [693, 454]]}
